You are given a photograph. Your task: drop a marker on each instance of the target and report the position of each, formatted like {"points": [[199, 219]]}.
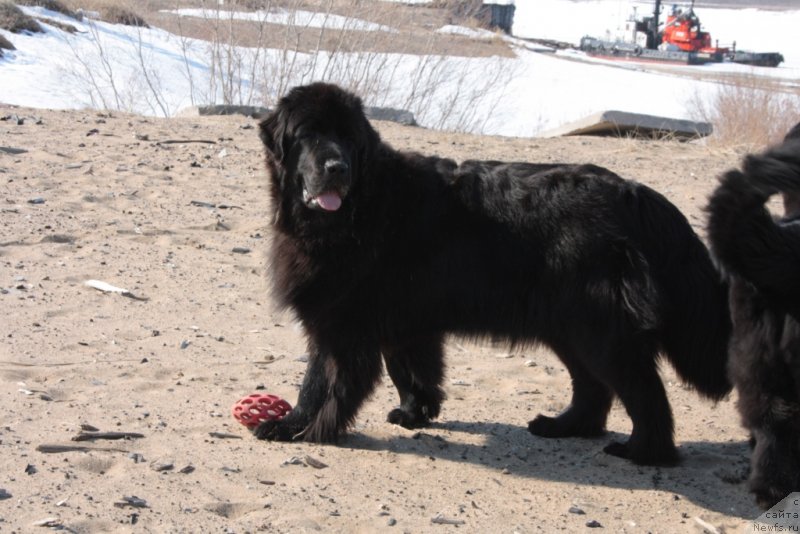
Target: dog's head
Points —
{"points": [[317, 141]]}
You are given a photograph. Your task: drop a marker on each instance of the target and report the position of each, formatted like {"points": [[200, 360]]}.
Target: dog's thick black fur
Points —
{"points": [[761, 256], [381, 252]]}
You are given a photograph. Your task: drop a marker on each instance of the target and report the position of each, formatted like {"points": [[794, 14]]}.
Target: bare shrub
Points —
{"points": [[423, 71], [94, 72], [749, 111], [225, 60], [14, 20]]}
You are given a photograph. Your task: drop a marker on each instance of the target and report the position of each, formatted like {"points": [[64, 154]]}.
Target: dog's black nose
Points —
{"points": [[336, 167]]}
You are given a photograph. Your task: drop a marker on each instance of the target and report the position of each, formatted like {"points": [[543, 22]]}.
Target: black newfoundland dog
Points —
{"points": [[381, 252], [761, 256]]}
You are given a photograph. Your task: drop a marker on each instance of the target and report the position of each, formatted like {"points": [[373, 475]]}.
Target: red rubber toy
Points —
{"points": [[257, 408]]}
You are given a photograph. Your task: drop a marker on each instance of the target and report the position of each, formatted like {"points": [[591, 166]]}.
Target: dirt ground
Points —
{"points": [[184, 226]]}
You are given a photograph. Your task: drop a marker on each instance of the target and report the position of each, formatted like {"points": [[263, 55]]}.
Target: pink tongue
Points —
{"points": [[329, 201]]}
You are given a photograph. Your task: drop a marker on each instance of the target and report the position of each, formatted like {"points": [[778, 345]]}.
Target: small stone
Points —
{"points": [[132, 501], [576, 510], [391, 522], [241, 250], [594, 524], [50, 522], [159, 466], [313, 462]]}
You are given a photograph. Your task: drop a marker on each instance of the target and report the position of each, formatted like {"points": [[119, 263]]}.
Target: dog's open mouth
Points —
{"points": [[327, 201]]}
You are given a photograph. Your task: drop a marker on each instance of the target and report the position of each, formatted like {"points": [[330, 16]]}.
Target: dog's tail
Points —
{"points": [[694, 320], [745, 239]]}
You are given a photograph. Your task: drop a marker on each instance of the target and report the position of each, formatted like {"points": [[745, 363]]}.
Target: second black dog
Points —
{"points": [[761, 256]]}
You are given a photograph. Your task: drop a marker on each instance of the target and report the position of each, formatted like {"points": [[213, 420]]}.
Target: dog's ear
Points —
{"points": [[272, 131], [369, 141], [368, 138]]}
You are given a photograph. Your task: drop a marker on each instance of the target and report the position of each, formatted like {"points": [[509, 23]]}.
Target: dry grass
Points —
{"points": [[310, 39], [413, 29], [14, 20], [52, 5], [127, 12], [116, 14], [5, 44], [749, 112], [69, 28], [462, 11]]}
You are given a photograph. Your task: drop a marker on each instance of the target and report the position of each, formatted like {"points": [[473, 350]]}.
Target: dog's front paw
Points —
{"points": [[546, 427], [279, 430]]}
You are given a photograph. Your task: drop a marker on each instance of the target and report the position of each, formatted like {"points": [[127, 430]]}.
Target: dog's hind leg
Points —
{"points": [[636, 381], [417, 369], [586, 415]]}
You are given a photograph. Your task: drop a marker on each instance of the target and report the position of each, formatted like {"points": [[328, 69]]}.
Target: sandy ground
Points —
{"points": [[107, 197]]}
